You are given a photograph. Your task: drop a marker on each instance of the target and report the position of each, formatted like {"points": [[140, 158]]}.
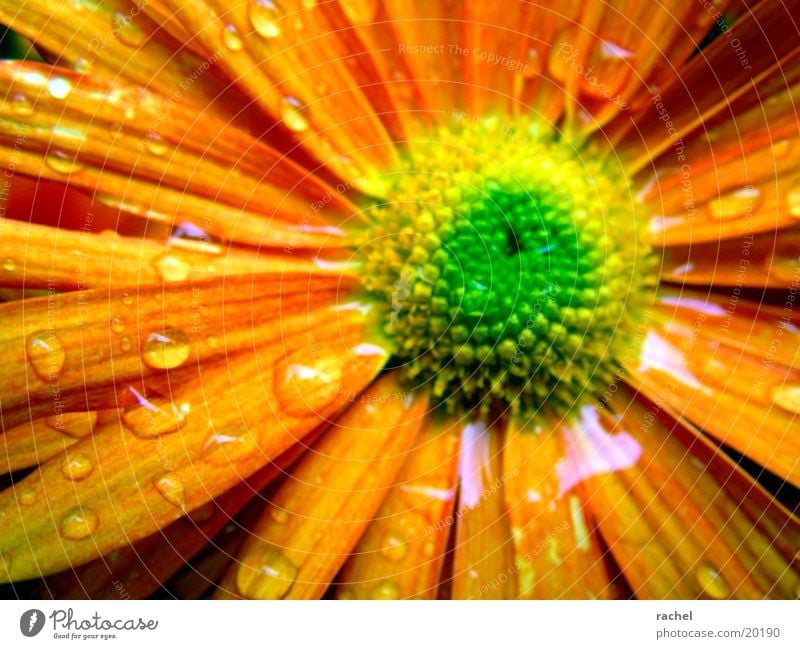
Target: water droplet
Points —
{"points": [[46, 354], [20, 105], [292, 114], [386, 590], [267, 573], [793, 203], [128, 31], [361, 12], [787, 397], [83, 66], [279, 515], [712, 583], [166, 349], [74, 424], [9, 265], [304, 382], [127, 299], [394, 547], [150, 417], [27, 497], [232, 39], [532, 65], [78, 524], [264, 15], [125, 343], [222, 450], [170, 486], [59, 87], [171, 268], [193, 238], [117, 326], [155, 144], [736, 203], [76, 466], [62, 163]]}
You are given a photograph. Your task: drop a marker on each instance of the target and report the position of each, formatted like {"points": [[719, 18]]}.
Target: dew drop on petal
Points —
{"points": [[127, 299], [787, 397], [232, 38], [27, 497], [170, 486], [125, 343], [712, 583], [292, 114], [83, 66], [305, 381], [279, 515], [20, 105], [59, 87], [76, 466], [62, 163], [264, 15], [166, 349], [386, 590], [9, 265], [74, 424], [117, 325], [155, 144], [46, 355], [394, 548], [171, 268], [429, 549], [223, 450], [150, 417], [266, 574], [78, 524], [735, 204]]}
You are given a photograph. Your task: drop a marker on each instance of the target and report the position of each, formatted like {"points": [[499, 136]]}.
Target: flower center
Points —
{"points": [[508, 267]]}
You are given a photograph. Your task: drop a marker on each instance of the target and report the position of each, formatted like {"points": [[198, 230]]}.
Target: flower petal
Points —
{"points": [[402, 551], [483, 566], [684, 522], [558, 554], [176, 450], [318, 515]]}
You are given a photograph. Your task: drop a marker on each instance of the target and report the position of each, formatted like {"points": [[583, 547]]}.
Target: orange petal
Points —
{"points": [[83, 344], [683, 521], [483, 566], [143, 567], [558, 554], [318, 515], [37, 256], [176, 450], [402, 551], [747, 402]]}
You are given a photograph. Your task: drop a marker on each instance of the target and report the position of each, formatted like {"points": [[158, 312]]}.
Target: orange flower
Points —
{"points": [[400, 299]]}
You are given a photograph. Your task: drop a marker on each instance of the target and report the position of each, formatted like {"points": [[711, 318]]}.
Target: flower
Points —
{"points": [[400, 300]]}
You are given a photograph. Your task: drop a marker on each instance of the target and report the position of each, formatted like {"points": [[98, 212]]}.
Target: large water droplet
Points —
{"points": [[232, 38], [787, 397], [266, 574], [292, 114], [128, 31], [171, 487], [386, 590], [166, 349], [76, 466], [150, 417], [712, 583], [394, 547], [171, 268], [361, 12], [74, 424], [78, 524], [46, 355], [264, 15], [304, 382], [735, 204]]}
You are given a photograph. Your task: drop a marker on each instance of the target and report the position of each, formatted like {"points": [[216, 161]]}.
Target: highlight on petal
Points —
{"points": [[318, 515]]}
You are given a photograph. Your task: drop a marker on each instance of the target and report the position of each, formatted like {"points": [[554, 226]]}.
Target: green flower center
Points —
{"points": [[508, 267]]}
